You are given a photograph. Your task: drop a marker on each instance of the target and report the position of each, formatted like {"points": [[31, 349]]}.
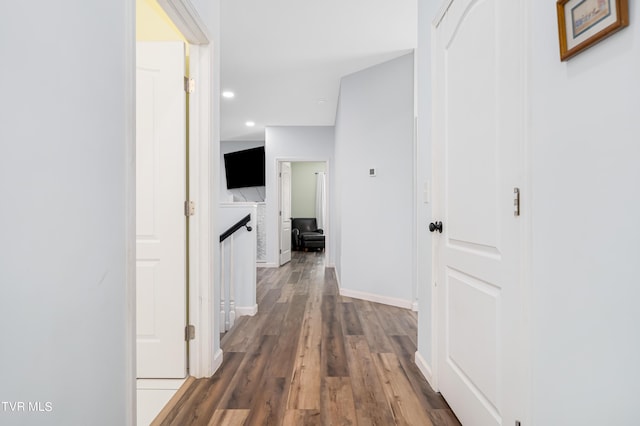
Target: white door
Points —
{"points": [[478, 137], [160, 220], [285, 212]]}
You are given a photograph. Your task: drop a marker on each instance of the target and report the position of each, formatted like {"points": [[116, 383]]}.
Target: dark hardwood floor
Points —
{"points": [[313, 357]]}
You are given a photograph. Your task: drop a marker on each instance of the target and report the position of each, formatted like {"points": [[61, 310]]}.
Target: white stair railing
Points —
{"points": [[227, 273]]}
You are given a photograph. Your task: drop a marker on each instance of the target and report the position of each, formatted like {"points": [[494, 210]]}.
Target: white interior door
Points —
{"points": [[285, 212], [160, 220], [478, 135]]}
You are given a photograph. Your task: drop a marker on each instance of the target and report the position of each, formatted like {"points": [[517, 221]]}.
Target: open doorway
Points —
{"points": [[186, 168], [303, 196], [161, 230]]}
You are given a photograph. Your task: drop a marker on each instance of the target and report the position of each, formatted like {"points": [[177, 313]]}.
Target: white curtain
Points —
{"points": [[321, 199]]}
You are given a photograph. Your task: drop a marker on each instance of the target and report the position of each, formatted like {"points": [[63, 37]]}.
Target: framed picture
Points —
{"points": [[583, 23]]}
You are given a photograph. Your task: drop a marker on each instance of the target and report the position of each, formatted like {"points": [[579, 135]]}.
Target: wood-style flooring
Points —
{"points": [[313, 357]]}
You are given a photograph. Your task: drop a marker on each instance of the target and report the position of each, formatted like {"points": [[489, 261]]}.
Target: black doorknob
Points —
{"points": [[437, 226]]}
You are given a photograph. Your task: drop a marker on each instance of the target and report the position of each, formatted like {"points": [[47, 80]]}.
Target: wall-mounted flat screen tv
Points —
{"points": [[245, 168]]}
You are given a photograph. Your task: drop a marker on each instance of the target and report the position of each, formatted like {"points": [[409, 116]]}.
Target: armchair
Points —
{"points": [[305, 234]]}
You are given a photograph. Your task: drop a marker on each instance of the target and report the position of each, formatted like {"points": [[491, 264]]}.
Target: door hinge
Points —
{"points": [[516, 201], [189, 208], [189, 332], [189, 85]]}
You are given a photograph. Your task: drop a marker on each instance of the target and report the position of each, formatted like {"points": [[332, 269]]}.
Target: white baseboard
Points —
{"points": [[385, 300], [414, 308], [266, 265], [335, 272], [246, 310], [160, 384], [217, 361], [425, 369]]}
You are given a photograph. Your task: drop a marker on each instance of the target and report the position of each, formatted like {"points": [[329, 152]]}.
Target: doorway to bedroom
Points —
{"points": [[307, 202]]}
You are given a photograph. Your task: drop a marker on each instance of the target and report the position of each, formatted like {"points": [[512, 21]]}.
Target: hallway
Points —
{"points": [[312, 357]]}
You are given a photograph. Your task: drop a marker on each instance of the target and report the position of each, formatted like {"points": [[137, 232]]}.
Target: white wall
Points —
{"points": [[256, 193], [62, 246], [586, 228], [63, 259], [374, 129], [303, 187], [296, 143]]}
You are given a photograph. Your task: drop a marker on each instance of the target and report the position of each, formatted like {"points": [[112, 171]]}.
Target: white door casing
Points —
{"points": [[285, 211], [478, 142], [160, 220]]}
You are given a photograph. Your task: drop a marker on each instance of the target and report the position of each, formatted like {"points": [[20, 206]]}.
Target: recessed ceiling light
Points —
{"points": [[250, 124], [228, 94]]}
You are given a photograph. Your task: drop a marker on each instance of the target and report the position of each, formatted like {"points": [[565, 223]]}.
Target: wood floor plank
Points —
{"points": [[284, 352], [182, 414], [302, 418], [275, 318], [378, 341], [294, 277], [405, 406], [334, 361], [405, 349], [211, 391], [390, 318], [443, 417], [186, 386], [270, 298], [372, 407], [304, 389], [250, 372], [229, 418], [338, 407], [269, 403], [352, 325]]}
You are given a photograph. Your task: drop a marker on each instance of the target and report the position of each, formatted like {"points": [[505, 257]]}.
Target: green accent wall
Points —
{"points": [[303, 187]]}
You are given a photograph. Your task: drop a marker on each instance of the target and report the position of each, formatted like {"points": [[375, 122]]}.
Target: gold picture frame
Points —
{"points": [[583, 23]]}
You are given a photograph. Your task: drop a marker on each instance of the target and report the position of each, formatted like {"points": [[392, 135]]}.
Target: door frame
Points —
{"points": [[526, 222], [327, 226], [280, 227], [203, 155]]}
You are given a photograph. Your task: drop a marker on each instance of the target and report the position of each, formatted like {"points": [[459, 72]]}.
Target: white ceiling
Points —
{"points": [[280, 57]]}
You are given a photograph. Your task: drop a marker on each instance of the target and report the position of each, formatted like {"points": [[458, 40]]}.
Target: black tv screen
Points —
{"points": [[244, 168]]}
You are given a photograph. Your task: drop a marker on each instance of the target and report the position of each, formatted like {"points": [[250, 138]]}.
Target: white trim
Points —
{"points": [[201, 224], [217, 360], [266, 265], [246, 310], [335, 272], [526, 279], [130, 391], [392, 301], [167, 384], [434, 251], [415, 196], [425, 369], [186, 18], [201, 360]]}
